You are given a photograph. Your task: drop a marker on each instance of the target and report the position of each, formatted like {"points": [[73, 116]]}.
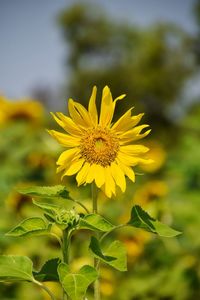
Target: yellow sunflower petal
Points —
{"points": [[83, 113], [65, 140], [82, 174], [60, 168], [134, 149], [123, 122], [67, 156], [91, 175], [136, 119], [144, 161], [136, 138], [130, 160], [126, 122], [127, 160], [92, 106], [118, 176], [68, 124], [133, 135], [74, 167], [99, 175], [114, 104], [76, 116], [127, 171], [133, 132], [106, 107], [109, 187]]}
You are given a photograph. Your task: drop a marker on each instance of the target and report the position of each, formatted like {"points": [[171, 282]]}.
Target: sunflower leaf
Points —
{"points": [[15, 268], [164, 230], [30, 227], [51, 210], [95, 222], [141, 219], [114, 255], [76, 284], [48, 271], [57, 191]]}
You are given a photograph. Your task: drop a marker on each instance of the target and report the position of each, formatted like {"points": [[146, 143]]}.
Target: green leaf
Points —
{"points": [[76, 284], [30, 227], [95, 222], [48, 271], [15, 268], [51, 210], [114, 255], [164, 230], [141, 219], [46, 191], [118, 250]]}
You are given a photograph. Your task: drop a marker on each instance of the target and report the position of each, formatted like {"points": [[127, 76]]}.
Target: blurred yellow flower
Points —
{"points": [[99, 150], [16, 201], [135, 244], [79, 262], [158, 156], [54, 287], [107, 285], [26, 109], [150, 191]]}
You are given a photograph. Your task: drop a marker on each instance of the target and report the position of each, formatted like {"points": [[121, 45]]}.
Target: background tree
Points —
{"points": [[151, 65]]}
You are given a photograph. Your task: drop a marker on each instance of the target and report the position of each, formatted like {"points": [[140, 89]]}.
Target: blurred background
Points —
{"points": [[150, 50]]}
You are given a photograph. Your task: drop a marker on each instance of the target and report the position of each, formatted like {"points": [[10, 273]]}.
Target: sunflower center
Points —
{"points": [[99, 146]]}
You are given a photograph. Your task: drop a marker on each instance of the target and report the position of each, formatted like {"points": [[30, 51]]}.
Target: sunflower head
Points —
{"points": [[97, 149], [24, 110]]}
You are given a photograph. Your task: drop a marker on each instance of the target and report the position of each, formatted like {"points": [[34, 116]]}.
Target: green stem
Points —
{"points": [[65, 251], [44, 287], [82, 205], [66, 245], [97, 295]]}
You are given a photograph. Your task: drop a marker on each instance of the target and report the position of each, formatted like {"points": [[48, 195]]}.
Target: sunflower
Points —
{"points": [[27, 110], [97, 149]]}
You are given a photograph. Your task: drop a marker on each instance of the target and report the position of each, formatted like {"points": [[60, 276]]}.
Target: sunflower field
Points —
{"points": [[124, 138]]}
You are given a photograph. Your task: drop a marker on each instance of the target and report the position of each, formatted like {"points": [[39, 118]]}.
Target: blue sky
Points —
{"points": [[32, 52]]}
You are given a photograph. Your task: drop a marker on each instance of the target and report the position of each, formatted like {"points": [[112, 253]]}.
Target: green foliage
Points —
{"points": [[15, 268], [76, 284], [30, 227], [19, 142], [49, 271], [141, 219], [114, 255], [95, 222]]}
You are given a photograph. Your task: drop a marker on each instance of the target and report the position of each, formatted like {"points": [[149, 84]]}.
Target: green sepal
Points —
{"points": [[30, 227], [95, 222], [141, 219], [15, 268], [76, 284], [48, 271], [114, 255]]}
